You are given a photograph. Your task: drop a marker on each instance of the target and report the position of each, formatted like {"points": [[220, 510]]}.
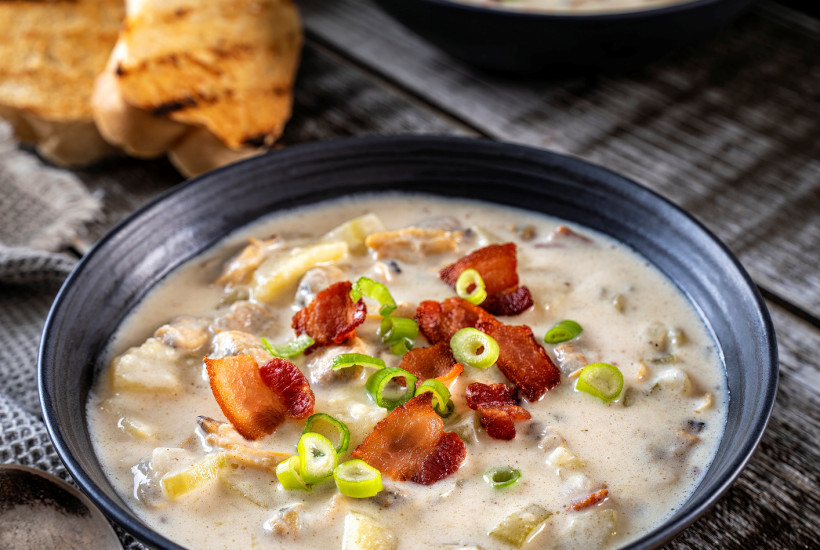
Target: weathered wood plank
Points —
{"points": [[332, 99], [727, 129]]}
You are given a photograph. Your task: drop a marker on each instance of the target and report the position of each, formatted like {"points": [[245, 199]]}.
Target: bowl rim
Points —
{"points": [[328, 149], [601, 16]]}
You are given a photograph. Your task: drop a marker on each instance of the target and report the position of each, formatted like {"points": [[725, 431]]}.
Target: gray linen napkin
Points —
{"points": [[41, 210]]}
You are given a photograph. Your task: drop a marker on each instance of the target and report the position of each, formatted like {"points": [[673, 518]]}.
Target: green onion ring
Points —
{"points": [[563, 331], [378, 381], [344, 432], [602, 380], [471, 277], [344, 360], [441, 395], [288, 474], [466, 344], [376, 291], [294, 347], [502, 476], [399, 333], [358, 479], [317, 458]]}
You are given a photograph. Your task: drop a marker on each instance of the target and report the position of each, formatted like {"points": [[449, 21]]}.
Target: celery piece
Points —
{"points": [[517, 527], [355, 231]]}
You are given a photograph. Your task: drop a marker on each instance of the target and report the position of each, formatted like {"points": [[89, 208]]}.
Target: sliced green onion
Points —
{"points": [[468, 278], [289, 476], [502, 476], [602, 380], [358, 479], [317, 458], [400, 333], [341, 427], [563, 331], [294, 347], [441, 395], [377, 387], [345, 360], [474, 348], [376, 291]]}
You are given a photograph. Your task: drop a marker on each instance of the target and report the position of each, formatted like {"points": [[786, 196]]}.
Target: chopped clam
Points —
{"points": [[550, 440], [239, 270], [224, 436], [569, 358], [316, 280], [412, 244], [673, 380], [286, 521], [186, 333], [234, 342], [320, 364], [245, 316]]}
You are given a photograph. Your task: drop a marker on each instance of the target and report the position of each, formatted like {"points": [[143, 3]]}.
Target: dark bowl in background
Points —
{"points": [[113, 277], [508, 41]]}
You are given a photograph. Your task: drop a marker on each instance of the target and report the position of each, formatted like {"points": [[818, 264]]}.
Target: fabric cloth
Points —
{"points": [[41, 210]]}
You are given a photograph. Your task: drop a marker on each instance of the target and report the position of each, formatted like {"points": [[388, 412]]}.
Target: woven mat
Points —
{"points": [[42, 210]]}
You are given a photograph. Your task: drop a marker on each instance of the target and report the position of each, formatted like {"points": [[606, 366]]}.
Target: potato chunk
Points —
{"points": [[364, 533], [153, 367], [518, 526], [279, 273], [355, 231]]}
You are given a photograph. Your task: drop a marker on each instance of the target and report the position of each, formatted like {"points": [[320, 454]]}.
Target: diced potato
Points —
{"points": [[563, 457], [179, 483], [518, 526], [151, 367], [239, 270], [286, 522], [364, 533], [256, 485], [355, 231], [588, 530], [279, 273], [136, 427]]}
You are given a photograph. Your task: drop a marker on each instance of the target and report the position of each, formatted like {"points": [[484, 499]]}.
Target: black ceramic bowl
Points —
{"points": [[530, 42], [126, 263]]}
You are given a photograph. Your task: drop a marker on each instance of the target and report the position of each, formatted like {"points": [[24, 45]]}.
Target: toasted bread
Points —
{"points": [[50, 54], [208, 82]]}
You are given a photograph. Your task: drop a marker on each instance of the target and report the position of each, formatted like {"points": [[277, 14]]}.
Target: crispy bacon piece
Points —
{"points": [[257, 400], [411, 444], [522, 360], [332, 317], [497, 266], [589, 500], [498, 406], [288, 382], [429, 362]]}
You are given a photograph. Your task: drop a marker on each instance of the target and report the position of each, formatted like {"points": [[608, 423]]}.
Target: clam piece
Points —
{"points": [[185, 333], [412, 244], [241, 267], [315, 281]]}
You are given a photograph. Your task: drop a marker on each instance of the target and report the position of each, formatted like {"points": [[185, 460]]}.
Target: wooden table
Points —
{"points": [[728, 129]]}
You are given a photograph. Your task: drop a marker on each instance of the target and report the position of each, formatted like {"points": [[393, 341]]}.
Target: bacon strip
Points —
{"points": [[451, 376], [257, 400], [521, 359], [431, 362], [332, 317], [498, 406], [411, 444], [497, 266], [590, 500]]}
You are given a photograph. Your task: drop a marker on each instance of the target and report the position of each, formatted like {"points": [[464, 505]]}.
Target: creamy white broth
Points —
{"points": [[650, 454], [574, 6]]}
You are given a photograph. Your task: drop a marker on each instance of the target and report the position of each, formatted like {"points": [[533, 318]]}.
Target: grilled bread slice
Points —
{"points": [[50, 54], [207, 81]]}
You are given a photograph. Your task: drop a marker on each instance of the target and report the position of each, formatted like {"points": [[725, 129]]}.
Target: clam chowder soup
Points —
{"points": [[572, 6], [401, 371]]}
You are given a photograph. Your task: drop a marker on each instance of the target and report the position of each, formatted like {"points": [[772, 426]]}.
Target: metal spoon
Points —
{"points": [[40, 511]]}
